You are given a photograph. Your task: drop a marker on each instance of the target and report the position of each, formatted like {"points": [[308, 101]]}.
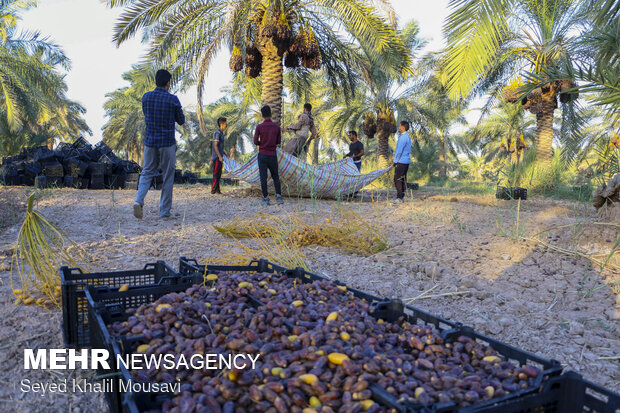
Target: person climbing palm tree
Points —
{"points": [[305, 132]]}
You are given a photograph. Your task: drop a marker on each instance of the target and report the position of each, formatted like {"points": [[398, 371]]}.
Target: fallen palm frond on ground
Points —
{"points": [[260, 226], [40, 251], [345, 230], [268, 231], [275, 252]]}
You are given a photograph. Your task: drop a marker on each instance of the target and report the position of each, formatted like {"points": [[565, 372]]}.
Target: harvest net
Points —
{"points": [[332, 180]]}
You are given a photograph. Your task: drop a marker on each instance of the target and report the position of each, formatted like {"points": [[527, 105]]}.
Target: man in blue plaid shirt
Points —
{"points": [[161, 111]]}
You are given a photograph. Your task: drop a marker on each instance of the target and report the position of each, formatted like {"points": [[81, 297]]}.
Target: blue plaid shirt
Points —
{"points": [[161, 110]]}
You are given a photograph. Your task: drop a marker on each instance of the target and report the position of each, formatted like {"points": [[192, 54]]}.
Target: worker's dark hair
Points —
{"points": [[405, 124], [353, 132], [266, 111], [220, 121], [162, 77], [308, 107]]}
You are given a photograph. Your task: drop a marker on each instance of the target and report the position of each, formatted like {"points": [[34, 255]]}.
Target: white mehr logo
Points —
{"points": [[63, 359]]}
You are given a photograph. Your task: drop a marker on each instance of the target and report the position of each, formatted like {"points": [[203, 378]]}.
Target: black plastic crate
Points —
{"points": [[75, 167], [74, 307], [96, 182], [503, 193], [111, 306], [132, 177], [131, 185], [42, 181], [32, 169], [106, 306], [42, 154], [70, 181], [96, 168], [568, 393], [519, 193], [28, 180], [12, 180], [53, 169], [114, 181], [82, 144]]}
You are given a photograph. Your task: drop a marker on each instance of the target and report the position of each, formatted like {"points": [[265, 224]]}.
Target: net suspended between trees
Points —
{"points": [[330, 180]]}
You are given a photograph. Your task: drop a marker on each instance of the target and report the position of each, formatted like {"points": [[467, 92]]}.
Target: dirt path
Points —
{"points": [[519, 292]]}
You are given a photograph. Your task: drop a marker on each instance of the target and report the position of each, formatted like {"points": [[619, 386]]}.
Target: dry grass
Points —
{"points": [[343, 229]]}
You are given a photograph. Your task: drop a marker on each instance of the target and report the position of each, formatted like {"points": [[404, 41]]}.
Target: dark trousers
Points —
{"points": [[359, 166], [268, 163], [400, 179], [217, 176]]}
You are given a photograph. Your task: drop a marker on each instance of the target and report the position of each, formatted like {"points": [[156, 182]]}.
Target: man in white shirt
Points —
{"points": [[402, 159]]}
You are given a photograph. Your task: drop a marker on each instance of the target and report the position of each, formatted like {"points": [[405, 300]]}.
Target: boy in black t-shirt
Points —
{"points": [[356, 150], [217, 154]]}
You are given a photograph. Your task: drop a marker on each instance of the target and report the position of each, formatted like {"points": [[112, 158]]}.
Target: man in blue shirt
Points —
{"points": [[217, 154], [161, 111], [402, 159]]}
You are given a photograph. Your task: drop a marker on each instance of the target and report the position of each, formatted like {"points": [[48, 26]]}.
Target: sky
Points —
{"points": [[83, 28]]}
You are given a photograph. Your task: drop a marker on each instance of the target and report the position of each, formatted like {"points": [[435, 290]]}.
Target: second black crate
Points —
{"points": [[568, 393], [73, 282]]}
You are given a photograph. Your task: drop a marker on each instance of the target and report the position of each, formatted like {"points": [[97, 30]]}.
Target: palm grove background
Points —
{"points": [[542, 77]]}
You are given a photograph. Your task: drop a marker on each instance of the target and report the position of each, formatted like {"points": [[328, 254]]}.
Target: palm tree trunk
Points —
{"points": [[442, 156], [315, 151], [544, 128], [383, 149], [272, 78], [514, 157], [383, 140], [233, 150]]}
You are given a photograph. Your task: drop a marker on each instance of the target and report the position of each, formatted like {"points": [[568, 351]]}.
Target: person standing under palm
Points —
{"points": [[268, 137], [161, 111], [356, 150], [305, 132], [217, 154], [402, 159]]}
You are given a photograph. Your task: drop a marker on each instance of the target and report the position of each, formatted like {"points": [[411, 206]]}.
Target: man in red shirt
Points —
{"points": [[268, 137]]}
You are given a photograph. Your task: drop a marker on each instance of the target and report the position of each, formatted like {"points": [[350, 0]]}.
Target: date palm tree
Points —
{"points": [[504, 130], [597, 62], [34, 106], [383, 95], [493, 41], [434, 113], [266, 36], [124, 131]]}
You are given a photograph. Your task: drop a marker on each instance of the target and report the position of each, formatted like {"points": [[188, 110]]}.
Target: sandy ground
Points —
{"points": [[518, 291]]}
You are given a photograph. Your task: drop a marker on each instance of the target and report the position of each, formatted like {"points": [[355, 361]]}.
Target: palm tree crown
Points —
{"points": [[492, 41], [265, 36], [34, 107]]}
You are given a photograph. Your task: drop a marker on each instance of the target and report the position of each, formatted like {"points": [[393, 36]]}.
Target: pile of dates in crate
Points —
{"points": [[320, 351]]}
